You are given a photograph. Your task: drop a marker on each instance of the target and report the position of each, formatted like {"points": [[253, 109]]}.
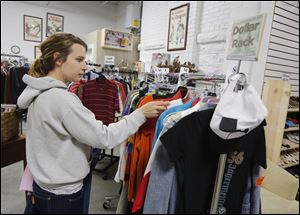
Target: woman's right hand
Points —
{"points": [[153, 109]]}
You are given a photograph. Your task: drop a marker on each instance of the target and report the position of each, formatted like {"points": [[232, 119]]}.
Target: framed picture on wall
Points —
{"points": [[33, 28], [178, 27], [113, 39], [55, 23], [37, 52]]}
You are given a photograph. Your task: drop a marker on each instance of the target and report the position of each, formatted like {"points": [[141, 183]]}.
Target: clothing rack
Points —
{"points": [[22, 60], [101, 154], [113, 160], [92, 64], [11, 55], [220, 170]]}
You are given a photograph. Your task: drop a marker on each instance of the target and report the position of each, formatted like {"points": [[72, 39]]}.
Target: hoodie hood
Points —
{"points": [[35, 86]]}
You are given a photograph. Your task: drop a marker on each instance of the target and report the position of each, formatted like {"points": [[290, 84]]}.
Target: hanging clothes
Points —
{"points": [[12, 84], [160, 125], [18, 85], [142, 144], [196, 156]]}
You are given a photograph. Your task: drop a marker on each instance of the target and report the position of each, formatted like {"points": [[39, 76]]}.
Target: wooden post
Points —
{"points": [[276, 95]]}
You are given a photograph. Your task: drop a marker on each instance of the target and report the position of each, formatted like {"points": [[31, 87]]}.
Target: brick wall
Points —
{"points": [[213, 27], [206, 20]]}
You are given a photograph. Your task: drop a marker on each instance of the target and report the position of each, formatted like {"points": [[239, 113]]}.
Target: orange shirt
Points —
{"points": [[142, 147]]}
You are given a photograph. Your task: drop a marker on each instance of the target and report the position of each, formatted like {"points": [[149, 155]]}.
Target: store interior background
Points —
{"points": [[208, 28]]}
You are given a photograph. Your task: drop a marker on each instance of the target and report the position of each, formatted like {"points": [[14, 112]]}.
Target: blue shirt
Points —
{"points": [[159, 124]]}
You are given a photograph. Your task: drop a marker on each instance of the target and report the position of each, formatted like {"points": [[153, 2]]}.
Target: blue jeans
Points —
{"points": [[48, 203], [31, 209], [87, 183]]}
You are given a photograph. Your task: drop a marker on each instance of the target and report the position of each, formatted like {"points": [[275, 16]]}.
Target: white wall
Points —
{"points": [[154, 30], [122, 16], [80, 18], [214, 22], [209, 25]]}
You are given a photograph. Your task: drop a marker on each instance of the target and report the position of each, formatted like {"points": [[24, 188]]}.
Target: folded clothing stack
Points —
{"points": [[291, 122], [289, 157], [294, 102], [293, 136]]}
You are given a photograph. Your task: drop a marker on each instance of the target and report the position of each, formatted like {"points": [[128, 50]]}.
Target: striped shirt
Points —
{"points": [[101, 97]]}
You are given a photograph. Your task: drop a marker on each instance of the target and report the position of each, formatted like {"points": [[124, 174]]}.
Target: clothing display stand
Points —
{"points": [[220, 171], [113, 159]]}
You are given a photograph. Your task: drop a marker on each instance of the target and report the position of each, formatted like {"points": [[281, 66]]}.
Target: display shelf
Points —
{"points": [[289, 165], [290, 143], [276, 96], [291, 110], [292, 129], [289, 158]]}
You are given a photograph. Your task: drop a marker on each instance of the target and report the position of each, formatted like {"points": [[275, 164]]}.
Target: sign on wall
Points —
{"points": [[109, 60], [245, 38], [113, 39]]}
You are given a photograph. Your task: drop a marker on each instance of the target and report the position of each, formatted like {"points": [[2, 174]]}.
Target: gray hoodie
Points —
{"points": [[61, 133]]}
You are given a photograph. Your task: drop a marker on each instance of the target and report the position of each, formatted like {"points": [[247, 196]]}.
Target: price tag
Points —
{"points": [[165, 71], [109, 60], [184, 70], [154, 69]]}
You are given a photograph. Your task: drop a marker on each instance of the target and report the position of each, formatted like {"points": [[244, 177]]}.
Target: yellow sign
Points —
{"points": [[136, 23]]}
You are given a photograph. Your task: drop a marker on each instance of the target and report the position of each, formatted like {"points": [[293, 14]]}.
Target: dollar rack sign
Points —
{"points": [[245, 38]]}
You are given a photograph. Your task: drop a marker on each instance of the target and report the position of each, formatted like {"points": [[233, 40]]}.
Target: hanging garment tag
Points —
{"points": [[259, 181], [184, 70]]}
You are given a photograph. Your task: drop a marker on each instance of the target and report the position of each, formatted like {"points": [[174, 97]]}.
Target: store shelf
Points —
{"points": [[290, 110], [289, 158], [292, 129], [289, 165], [290, 143]]}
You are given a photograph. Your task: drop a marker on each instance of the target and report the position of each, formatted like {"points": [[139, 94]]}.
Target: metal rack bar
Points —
{"points": [[220, 171], [10, 55]]}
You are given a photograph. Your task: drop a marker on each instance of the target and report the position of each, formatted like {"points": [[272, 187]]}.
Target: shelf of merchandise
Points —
{"points": [[276, 97], [289, 158], [291, 110], [292, 129], [289, 165], [290, 143]]}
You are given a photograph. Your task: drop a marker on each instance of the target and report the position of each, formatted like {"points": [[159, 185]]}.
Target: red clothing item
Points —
{"points": [[141, 194], [196, 101], [142, 147], [76, 87], [121, 90], [101, 97]]}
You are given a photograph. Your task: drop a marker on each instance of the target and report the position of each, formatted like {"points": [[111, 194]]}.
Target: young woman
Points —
{"points": [[61, 131]]}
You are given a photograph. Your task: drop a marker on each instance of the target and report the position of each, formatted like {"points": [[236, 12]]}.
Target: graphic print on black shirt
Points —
{"points": [[195, 150]]}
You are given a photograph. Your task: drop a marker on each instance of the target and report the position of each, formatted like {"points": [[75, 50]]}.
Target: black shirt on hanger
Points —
{"points": [[194, 149], [3, 80], [18, 85]]}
